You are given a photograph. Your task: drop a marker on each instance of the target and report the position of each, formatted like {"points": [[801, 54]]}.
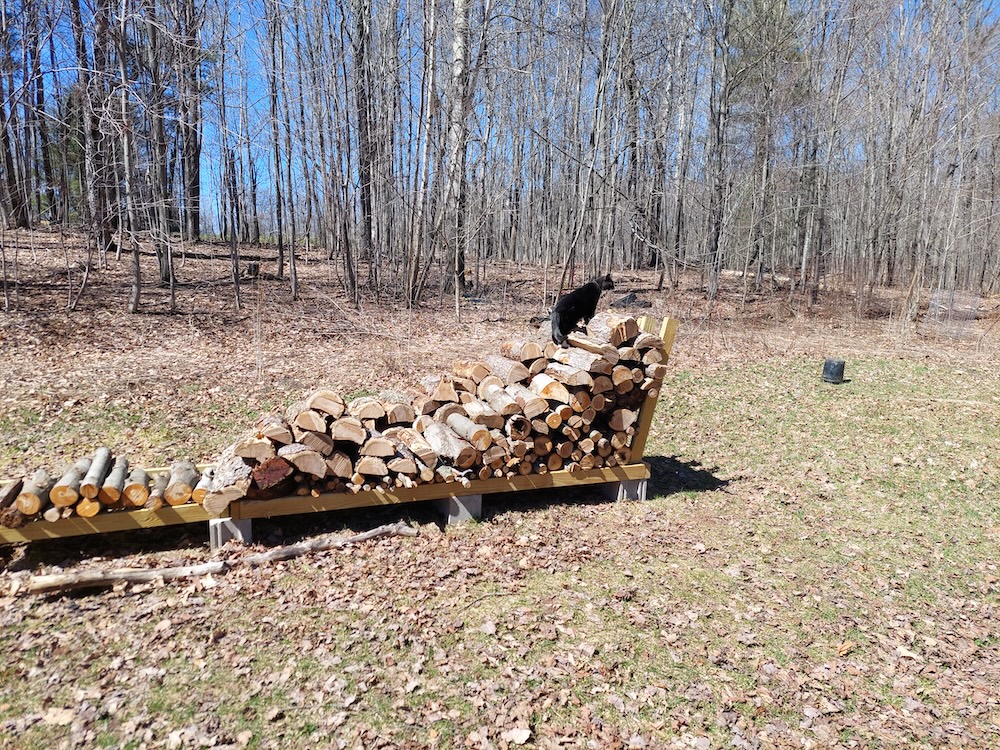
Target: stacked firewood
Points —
{"points": [[99, 483], [535, 408]]}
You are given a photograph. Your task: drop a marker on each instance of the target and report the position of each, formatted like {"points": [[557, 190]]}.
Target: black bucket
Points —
{"points": [[833, 371]]}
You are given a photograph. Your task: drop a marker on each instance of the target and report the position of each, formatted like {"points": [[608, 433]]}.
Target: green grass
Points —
{"points": [[836, 586]]}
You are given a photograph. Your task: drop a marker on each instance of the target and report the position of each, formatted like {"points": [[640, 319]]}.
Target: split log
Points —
{"points": [[656, 371], [579, 400], [398, 412], [66, 491], [379, 446], [181, 483], [100, 465], [275, 429], [507, 370], [602, 384], [12, 491], [307, 419], [518, 427], [484, 414], [607, 351], [474, 371], [614, 329], [440, 388], [463, 386], [403, 465], [338, 464], [423, 404], [33, 496], [628, 355], [537, 366], [255, 448], [232, 480], [348, 430], [136, 489], [477, 435], [569, 375], [371, 466], [320, 442], [442, 414], [645, 341], [304, 459], [326, 402], [366, 407], [155, 499], [111, 490], [549, 388], [447, 444], [489, 383], [409, 443], [522, 351], [530, 402], [204, 485], [595, 364], [269, 473]]}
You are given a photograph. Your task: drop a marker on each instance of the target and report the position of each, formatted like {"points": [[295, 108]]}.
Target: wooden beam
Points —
{"points": [[123, 520]]}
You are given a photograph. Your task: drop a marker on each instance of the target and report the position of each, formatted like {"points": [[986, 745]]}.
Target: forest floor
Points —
{"points": [[817, 565]]}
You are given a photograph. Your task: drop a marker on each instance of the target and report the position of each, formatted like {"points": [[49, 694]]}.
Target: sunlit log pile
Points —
{"points": [[533, 408]]}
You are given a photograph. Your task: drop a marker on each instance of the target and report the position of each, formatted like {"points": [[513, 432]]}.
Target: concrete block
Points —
{"points": [[460, 509], [628, 489], [221, 530]]}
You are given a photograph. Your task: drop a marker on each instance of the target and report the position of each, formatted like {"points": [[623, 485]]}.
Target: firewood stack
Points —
{"points": [[97, 484], [534, 408]]}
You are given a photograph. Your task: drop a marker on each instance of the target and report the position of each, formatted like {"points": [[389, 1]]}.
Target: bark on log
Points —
{"points": [[183, 478], [136, 490], [500, 401], [61, 582], [470, 369], [484, 414], [12, 518], [444, 442], [477, 435], [159, 486], [33, 496], [523, 351], [326, 402], [614, 329], [595, 364], [607, 351], [100, 465], [507, 370], [111, 490], [204, 485], [232, 480], [66, 491], [413, 442], [10, 492], [568, 375], [270, 473]]}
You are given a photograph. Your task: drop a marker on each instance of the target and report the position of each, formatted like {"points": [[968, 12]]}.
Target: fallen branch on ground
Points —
{"points": [[61, 582]]}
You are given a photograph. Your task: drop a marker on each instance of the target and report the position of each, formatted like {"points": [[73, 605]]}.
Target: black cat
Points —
{"points": [[580, 304]]}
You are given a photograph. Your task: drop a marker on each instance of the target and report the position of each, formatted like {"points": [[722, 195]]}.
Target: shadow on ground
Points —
{"points": [[670, 474]]}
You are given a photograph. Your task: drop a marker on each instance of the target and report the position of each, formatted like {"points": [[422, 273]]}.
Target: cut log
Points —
{"points": [[181, 483], [398, 412], [440, 388], [408, 439], [549, 388], [507, 370], [477, 435], [379, 446], [522, 351], [232, 480], [656, 371], [579, 400], [275, 429], [349, 430], [463, 386], [537, 366], [602, 384], [518, 427], [204, 485], [270, 473], [423, 404], [621, 419], [474, 371], [500, 401], [488, 384], [542, 445], [614, 329], [338, 464], [595, 364], [484, 414], [326, 402], [568, 375], [305, 418], [366, 407], [66, 491], [530, 402], [320, 442], [254, 447], [155, 499], [371, 466], [87, 507], [628, 355], [12, 518], [607, 351], [304, 459], [442, 414], [53, 514], [33, 496], [100, 465], [447, 444], [111, 490], [136, 490]]}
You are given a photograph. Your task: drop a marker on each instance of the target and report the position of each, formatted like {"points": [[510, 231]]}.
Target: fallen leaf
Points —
{"points": [[517, 736], [59, 717]]}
